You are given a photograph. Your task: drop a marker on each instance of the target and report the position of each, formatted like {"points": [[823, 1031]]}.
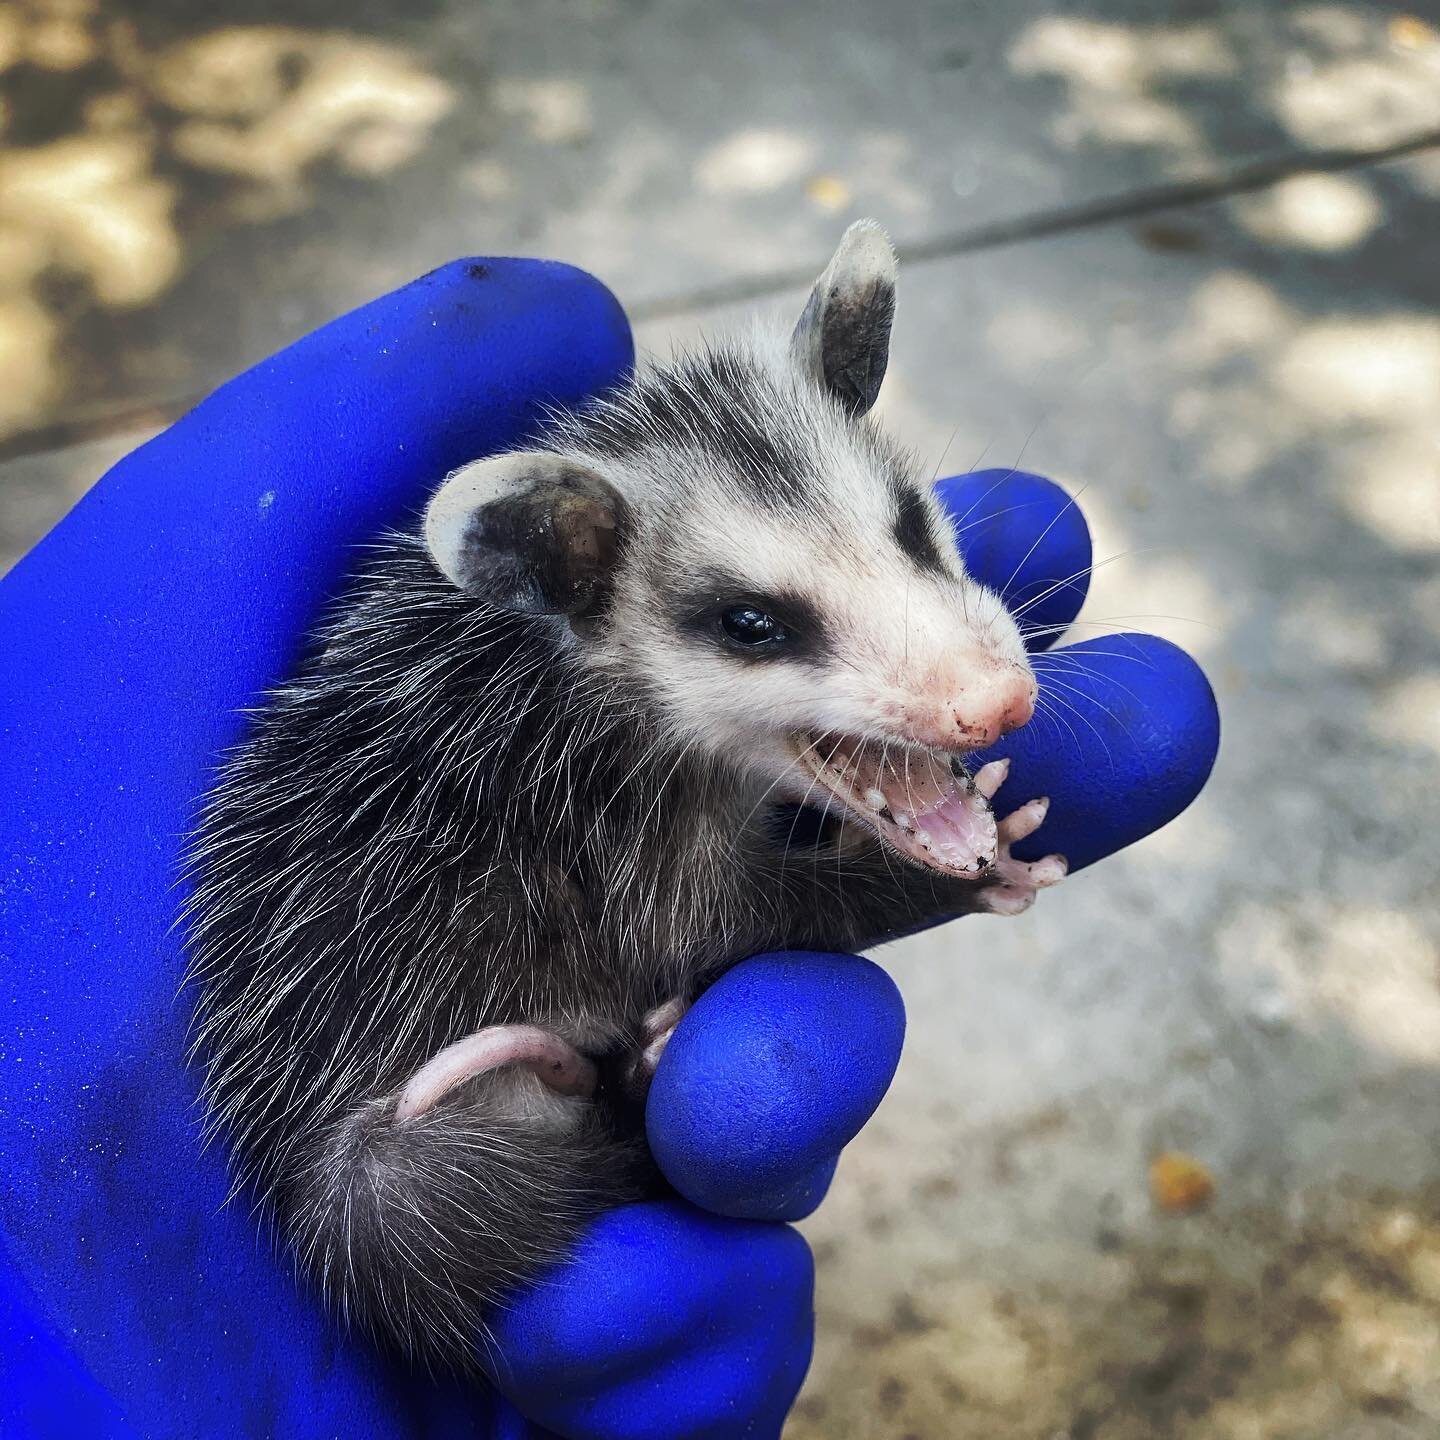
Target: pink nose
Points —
{"points": [[994, 707]]}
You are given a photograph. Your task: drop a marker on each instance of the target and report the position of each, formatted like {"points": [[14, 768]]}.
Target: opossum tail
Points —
{"points": [[415, 1228]]}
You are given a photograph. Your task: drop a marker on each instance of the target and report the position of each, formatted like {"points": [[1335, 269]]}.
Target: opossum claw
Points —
{"points": [[655, 1032], [1016, 883], [562, 1067], [989, 778], [1024, 821]]}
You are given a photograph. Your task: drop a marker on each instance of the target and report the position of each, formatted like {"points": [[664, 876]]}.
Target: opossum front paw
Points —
{"points": [[658, 1026], [655, 1032], [556, 1062], [1010, 886]]}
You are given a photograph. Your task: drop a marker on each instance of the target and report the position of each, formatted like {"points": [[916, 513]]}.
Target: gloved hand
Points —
{"points": [[133, 1299]]}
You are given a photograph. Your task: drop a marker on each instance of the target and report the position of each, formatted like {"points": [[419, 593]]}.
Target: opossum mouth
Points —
{"points": [[922, 803]]}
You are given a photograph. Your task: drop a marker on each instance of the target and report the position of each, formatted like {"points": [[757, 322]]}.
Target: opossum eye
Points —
{"points": [[752, 628]]}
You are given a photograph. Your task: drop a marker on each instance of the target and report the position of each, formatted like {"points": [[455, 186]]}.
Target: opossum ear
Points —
{"points": [[532, 532], [843, 338]]}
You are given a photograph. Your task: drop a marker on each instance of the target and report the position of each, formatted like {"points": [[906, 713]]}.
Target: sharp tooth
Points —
{"points": [[875, 799]]}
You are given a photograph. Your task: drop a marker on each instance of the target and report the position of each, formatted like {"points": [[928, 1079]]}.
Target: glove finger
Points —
{"points": [[775, 1068], [1026, 538], [667, 1321], [216, 541], [1124, 736], [45, 1392]]}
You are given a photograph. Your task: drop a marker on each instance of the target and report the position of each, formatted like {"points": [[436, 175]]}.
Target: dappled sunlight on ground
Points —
{"points": [[1246, 397], [554, 110], [1338, 635], [1368, 384], [754, 160], [1242, 1328], [1343, 963], [88, 206], [1349, 90], [1344, 75], [1382, 368], [1409, 710], [1114, 74], [1313, 212], [1377, 972], [202, 160], [98, 208], [266, 104]]}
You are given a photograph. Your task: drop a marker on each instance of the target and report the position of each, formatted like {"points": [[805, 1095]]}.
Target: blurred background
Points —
{"points": [[1163, 1158]]}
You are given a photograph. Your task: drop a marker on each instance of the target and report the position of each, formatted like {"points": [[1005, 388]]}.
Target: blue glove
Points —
{"points": [[133, 1300]]}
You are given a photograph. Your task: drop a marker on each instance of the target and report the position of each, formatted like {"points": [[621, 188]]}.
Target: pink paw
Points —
{"points": [[655, 1032], [1010, 885]]}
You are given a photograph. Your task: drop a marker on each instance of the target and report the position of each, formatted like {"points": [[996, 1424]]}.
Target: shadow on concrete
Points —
{"points": [[182, 194]]}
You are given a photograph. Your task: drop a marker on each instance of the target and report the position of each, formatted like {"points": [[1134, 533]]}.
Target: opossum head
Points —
{"points": [[731, 540]]}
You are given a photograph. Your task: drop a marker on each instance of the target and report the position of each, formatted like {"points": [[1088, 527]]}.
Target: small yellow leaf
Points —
{"points": [[829, 192], [1180, 1183], [1410, 32]]}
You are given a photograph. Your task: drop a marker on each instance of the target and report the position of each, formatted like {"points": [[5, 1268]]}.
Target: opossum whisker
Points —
{"points": [[1039, 540], [935, 474], [1079, 715], [1104, 709], [804, 801], [994, 515], [1045, 707]]}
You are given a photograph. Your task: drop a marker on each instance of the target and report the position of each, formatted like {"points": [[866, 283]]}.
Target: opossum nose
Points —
{"points": [[1021, 706], [994, 707]]}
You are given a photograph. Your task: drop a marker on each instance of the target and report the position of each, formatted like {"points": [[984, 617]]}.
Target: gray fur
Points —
{"points": [[469, 809]]}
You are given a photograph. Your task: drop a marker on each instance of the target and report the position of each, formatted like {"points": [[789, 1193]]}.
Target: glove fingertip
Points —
{"points": [[1130, 747], [1025, 537], [772, 1072], [790, 1202], [663, 1316]]}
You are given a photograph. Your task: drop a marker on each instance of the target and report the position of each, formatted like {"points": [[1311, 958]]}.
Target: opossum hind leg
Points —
{"points": [[555, 1062]]}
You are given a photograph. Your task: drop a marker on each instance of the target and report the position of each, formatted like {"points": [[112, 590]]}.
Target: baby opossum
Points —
{"points": [[555, 764]]}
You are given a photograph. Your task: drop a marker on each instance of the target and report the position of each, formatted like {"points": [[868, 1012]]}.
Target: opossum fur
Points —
{"points": [[528, 776]]}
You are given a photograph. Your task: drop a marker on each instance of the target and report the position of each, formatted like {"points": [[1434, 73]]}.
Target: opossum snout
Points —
{"points": [[992, 706]]}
